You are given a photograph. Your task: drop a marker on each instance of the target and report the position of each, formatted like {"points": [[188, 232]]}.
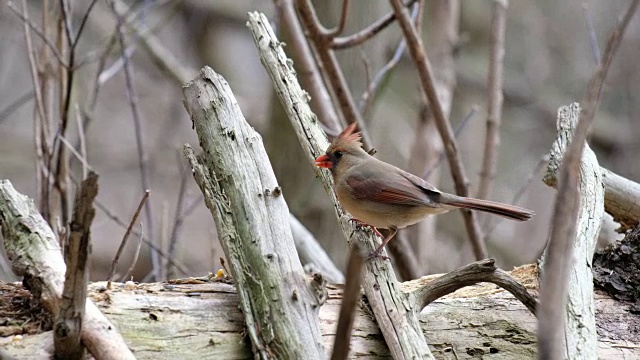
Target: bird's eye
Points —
{"points": [[338, 154]]}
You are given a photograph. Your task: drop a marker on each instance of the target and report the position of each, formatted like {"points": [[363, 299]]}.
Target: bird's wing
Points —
{"points": [[395, 190]]}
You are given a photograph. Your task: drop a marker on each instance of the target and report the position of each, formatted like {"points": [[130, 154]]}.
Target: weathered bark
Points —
{"points": [[252, 220], [35, 254], [580, 326], [396, 318], [196, 319]]}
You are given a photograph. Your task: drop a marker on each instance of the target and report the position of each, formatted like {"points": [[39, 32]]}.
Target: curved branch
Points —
{"points": [[477, 272]]}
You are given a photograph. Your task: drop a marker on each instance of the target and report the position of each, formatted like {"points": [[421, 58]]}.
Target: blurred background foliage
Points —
{"points": [[548, 61]]}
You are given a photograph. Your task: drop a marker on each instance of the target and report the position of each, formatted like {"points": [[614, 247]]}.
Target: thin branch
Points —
{"points": [[28, 23], [477, 272], [335, 76], [343, 20], [404, 257], [15, 105], [147, 242], [494, 99], [368, 96], [414, 42], [367, 33], [178, 219], [135, 255], [350, 297], [461, 126], [593, 40], [308, 69], [559, 259], [137, 122], [116, 258]]}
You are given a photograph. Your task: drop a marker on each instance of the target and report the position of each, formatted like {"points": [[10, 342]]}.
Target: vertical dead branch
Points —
{"points": [[425, 72], [68, 324], [558, 262], [494, 99]]}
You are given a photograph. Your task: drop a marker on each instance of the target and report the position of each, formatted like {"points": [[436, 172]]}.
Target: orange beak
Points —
{"points": [[323, 161]]}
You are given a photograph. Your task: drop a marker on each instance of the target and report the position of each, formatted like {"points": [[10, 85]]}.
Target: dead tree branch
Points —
{"points": [[252, 220], [68, 324], [558, 263], [425, 72], [35, 255]]}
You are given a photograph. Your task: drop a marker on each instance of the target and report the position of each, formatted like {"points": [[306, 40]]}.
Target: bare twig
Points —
{"points": [[68, 324], [350, 298], [182, 268], [135, 255], [367, 33], [28, 23], [494, 99], [343, 20], [178, 219], [458, 130], [368, 96], [559, 259], [593, 41], [477, 272], [404, 257], [414, 42], [137, 122], [116, 258], [15, 105], [308, 69], [318, 35]]}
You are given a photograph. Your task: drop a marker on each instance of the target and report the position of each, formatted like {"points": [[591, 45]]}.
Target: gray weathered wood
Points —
{"points": [[580, 325], [252, 221], [394, 314], [199, 320], [35, 254]]}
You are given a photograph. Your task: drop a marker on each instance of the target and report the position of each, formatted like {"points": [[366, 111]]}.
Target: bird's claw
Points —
{"points": [[361, 225]]}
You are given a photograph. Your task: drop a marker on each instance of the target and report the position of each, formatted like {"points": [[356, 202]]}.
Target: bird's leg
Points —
{"points": [[362, 224], [376, 253]]}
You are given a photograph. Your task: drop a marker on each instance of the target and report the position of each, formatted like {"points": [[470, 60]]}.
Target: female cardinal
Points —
{"points": [[380, 195]]}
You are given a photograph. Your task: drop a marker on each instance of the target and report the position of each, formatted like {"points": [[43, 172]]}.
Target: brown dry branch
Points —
{"points": [[350, 299], [116, 259], [36, 255], [308, 69], [558, 262], [367, 33], [252, 220], [494, 99], [132, 95], [135, 255], [398, 323], [442, 32], [320, 38], [68, 324], [404, 257], [425, 72]]}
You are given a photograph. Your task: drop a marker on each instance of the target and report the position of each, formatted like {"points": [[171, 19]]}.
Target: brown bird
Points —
{"points": [[380, 195]]}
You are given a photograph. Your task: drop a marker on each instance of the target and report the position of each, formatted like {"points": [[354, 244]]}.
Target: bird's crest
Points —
{"points": [[348, 137]]}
